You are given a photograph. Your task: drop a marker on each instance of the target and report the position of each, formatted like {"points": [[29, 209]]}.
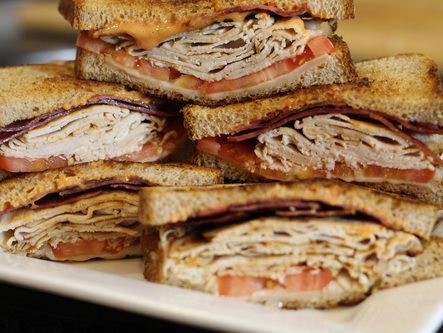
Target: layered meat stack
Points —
{"points": [[266, 91]]}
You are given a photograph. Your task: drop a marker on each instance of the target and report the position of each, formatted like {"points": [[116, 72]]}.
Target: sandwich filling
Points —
{"points": [[280, 259], [235, 51], [91, 133], [352, 145], [98, 221]]}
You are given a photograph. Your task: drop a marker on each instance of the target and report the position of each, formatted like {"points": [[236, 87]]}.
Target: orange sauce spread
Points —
{"points": [[150, 34]]}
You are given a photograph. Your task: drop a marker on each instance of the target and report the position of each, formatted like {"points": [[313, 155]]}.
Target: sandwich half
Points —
{"points": [[316, 243], [84, 211], [387, 132], [50, 119], [211, 52]]}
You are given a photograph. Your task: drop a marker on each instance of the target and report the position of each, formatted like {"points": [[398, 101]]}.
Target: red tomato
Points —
{"points": [[321, 45], [94, 45], [13, 164], [278, 69], [239, 285], [88, 247], [308, 280], [159, 73], [240, 154], [414, 176], [209, 146], [80, 248]]}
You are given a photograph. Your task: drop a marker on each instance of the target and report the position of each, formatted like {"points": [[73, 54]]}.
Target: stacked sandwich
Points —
{"points": [[75, 153], [267, 92]]}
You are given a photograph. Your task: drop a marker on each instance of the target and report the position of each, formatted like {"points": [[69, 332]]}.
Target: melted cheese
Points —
{"points": [[150, 34]]}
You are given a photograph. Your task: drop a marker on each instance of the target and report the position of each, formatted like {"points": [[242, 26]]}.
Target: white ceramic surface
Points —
{"points": [[414, 308]]}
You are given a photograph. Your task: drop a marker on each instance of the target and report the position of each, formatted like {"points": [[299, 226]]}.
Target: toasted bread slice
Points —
{"points": [[30, 91], [404, 86], [160, 206], [94, 15], [24, 190], [338, 69]]}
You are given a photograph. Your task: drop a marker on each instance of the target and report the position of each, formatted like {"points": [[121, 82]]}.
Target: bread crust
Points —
{"points": [[404, 86], [26, 189], [432, 193], [153, 255], [33, 90], [160, 206], [94, 15], [338, 69]]}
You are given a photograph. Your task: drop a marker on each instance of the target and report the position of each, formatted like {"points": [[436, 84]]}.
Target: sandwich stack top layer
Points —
{"points": [[160, 206]]}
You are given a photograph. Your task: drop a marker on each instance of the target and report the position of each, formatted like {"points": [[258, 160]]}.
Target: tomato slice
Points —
{"points": [[95, 45], [239, 285], [160, 73], [89, 247], [275, 70], [321, 45], [14, 164], [307, 280], [241, 154]]}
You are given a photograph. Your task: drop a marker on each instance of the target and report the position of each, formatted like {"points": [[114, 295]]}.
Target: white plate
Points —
{"points": [[414, 308]]}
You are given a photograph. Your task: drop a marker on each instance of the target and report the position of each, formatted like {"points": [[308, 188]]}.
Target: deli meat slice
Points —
{"points": [[133, 184], [396, 125], [16, 129], [278, 11], [236, 213]]}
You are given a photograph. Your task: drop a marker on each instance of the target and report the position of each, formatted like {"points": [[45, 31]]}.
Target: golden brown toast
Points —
{"points": [[94, 15], [33, 90]]}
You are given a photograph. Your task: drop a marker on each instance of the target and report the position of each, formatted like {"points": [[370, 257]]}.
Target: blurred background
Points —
{"points": [[32, 31]]}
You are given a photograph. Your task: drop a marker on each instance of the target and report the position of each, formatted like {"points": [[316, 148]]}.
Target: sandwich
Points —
{"points": [[50, 119], [84, 211], [386, 131], [211, 52], [315, 243]]}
